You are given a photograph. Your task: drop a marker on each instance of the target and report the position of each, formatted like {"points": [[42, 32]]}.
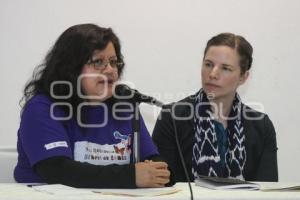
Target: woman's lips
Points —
{"points": [[212, 86]]}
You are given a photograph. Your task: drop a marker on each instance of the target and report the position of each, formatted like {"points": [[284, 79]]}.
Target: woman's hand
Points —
{"points": [[151, 174]]}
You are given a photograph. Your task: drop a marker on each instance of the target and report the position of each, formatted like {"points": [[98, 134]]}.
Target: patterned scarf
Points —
{"points": [[206, 159]]}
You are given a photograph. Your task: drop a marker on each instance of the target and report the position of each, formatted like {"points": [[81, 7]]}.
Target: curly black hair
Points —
{"points": [[65, 60]]}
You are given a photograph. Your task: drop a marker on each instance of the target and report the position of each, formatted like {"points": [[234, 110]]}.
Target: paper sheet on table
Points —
{"points": [[14, 189], [279, 186], [139, 191], [59, 189]]}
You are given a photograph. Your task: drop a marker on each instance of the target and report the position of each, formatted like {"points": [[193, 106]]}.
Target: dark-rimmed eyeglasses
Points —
{"points": [[101, 64]]}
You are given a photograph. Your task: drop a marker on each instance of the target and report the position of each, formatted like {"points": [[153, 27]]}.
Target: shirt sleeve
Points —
{"points": [[163, 136], [42, 136], [85, 175]]}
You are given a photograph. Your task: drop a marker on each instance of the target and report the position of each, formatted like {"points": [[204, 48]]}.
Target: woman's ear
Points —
{"points": [[244, 77]]}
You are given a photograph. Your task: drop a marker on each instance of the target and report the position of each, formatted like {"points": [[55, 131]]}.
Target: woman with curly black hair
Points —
{"points": [[69, 131]]}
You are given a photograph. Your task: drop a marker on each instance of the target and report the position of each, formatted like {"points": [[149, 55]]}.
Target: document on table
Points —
{"points": [[139, 191], [218, 183], [59, 189], [279, 186], [66, 190]]}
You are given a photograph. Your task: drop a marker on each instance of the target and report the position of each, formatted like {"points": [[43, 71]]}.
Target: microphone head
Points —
{"points": [[123, 91]]}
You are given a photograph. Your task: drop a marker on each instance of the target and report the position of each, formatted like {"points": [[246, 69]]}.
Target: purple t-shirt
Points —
{"points": [[98, 137]]}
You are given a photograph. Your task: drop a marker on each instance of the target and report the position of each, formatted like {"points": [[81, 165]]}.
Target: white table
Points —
{"points": [[15, 191]]}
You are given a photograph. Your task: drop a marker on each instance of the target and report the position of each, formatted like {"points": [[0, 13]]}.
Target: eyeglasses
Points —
{"points": [[100, 64]]}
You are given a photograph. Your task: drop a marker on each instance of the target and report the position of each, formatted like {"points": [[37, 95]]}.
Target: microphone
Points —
{"points": [[123, 91]]}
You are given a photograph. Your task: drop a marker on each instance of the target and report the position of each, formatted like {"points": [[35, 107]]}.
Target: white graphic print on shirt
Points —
{"points": [[106, 154]]}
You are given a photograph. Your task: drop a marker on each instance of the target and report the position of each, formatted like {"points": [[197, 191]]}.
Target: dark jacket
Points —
{"points": [[260, 142]]}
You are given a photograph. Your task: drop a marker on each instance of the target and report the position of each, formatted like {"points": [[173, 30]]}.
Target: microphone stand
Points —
{"points": [[136, 133], [136, 126], [124, 90], [181, 156]]}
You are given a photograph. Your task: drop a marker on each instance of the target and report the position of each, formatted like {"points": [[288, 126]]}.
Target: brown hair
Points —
{"points": [[243, 47]]}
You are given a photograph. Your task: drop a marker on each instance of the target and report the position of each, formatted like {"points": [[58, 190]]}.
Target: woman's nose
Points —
{"points": [[214, 73], [108, 69]]}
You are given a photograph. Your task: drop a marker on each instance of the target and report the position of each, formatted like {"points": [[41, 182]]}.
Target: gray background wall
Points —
{"points": [[163, 43]]}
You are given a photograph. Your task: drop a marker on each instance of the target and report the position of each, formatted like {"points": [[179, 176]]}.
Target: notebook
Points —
{"points": [[218, 183]]}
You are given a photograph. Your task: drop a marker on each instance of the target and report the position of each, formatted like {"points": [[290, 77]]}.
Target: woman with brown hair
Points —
{"points": [[218, 134]]}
